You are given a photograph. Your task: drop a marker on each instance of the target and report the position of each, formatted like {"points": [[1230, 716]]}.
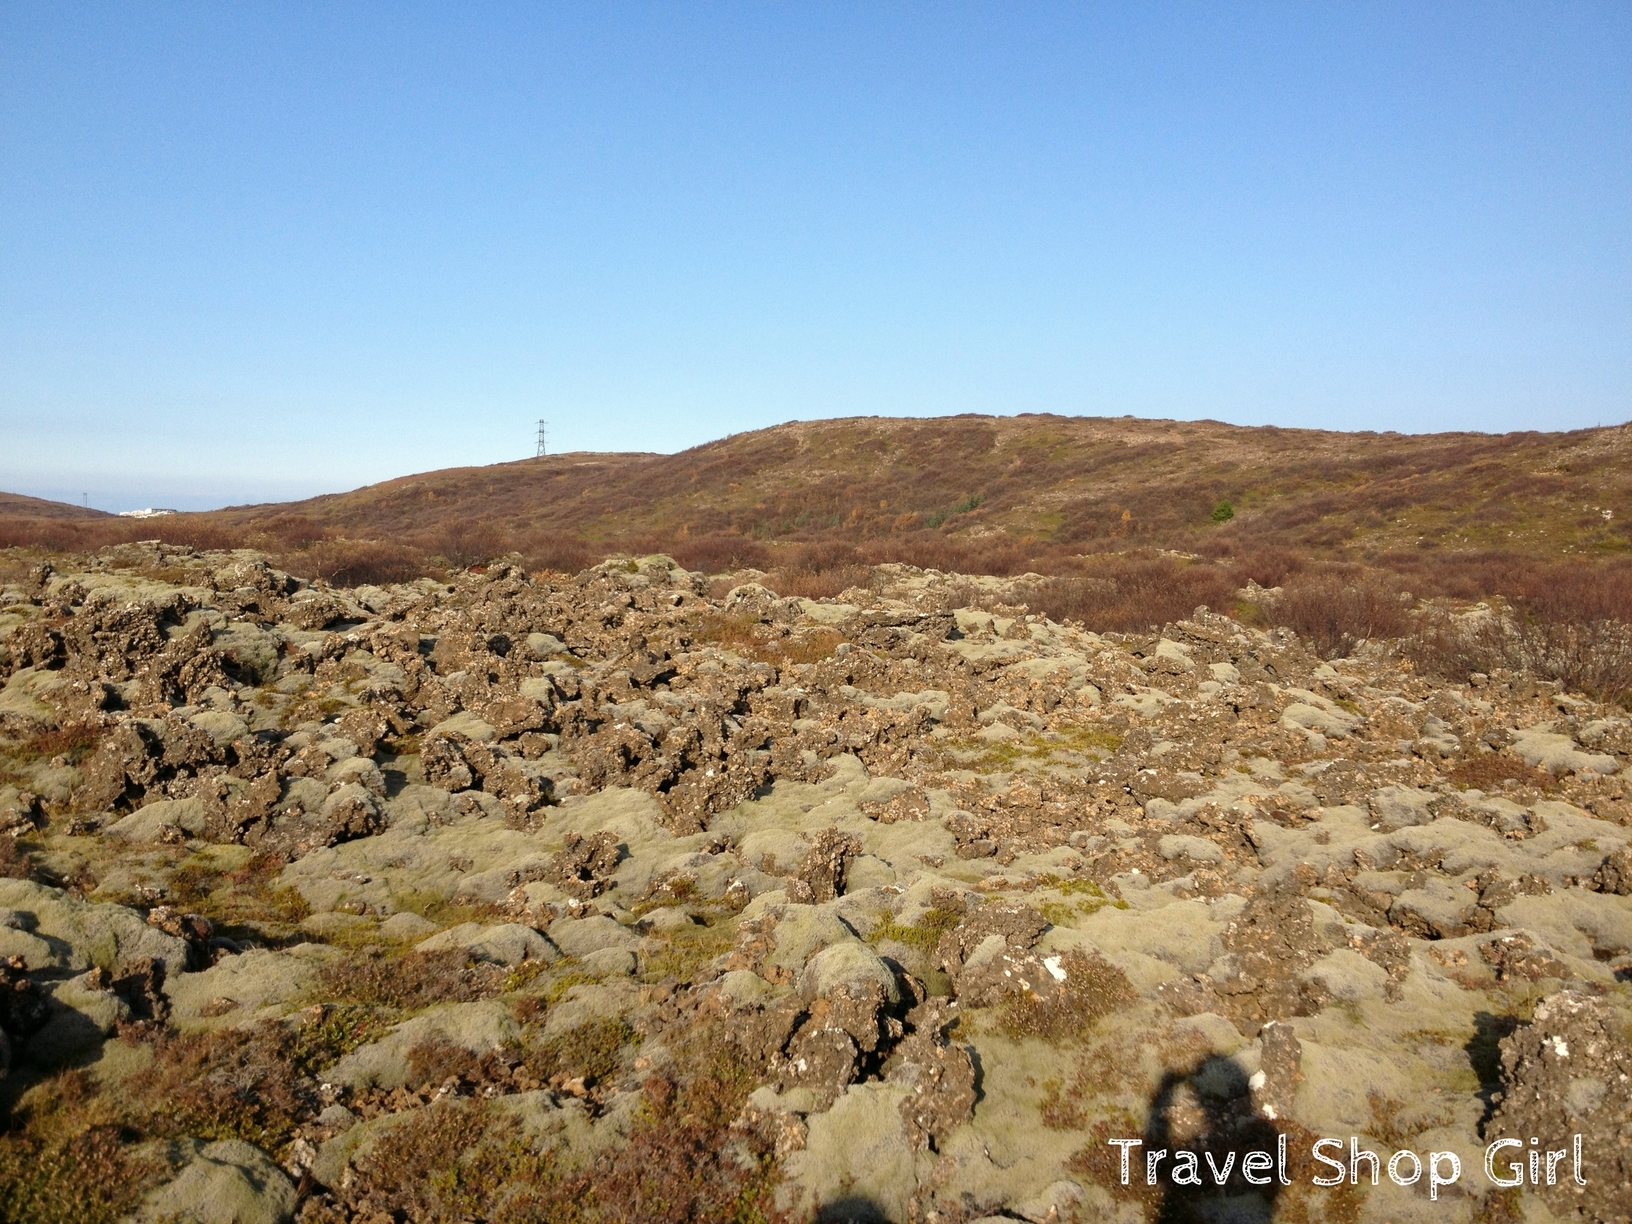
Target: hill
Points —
{"points": [[17, 505], [1461, 514], [1087, 484]]}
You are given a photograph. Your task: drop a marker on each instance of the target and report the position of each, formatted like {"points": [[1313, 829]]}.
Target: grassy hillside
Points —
{"points": [[17, 506], [1132, 524], [1083, 484]]}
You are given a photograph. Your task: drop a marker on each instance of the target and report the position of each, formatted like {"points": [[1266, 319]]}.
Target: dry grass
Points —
{"points": [[753, 639], [410, 982], [65, 1156], [1495, 770], [460, 1159], [1093, 988]]}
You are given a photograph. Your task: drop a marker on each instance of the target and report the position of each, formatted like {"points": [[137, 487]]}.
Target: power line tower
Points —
{"points": [[543, 427]]}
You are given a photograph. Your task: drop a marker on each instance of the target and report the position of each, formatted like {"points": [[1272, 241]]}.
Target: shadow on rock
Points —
{"points": [[1485, 1054], [1215, 1151], [852, 1210]]}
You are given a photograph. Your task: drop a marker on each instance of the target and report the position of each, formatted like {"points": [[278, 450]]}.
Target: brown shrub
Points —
{"points": [[678, 1167], [349, 563], [592, 1050], [1457, 647], [293, 531], [454, 1160], [1093, 988], [1129, 594], [74, 742], [435, 1061], [823, 584], [820, 557], [717, 554], [463, 543], [16, 863], [560, 553], [752, 639], [459, 1159], [229, 1084], [1270, 567], [87, 535], [1338, 611], [1595, 657], [1552, 640]]}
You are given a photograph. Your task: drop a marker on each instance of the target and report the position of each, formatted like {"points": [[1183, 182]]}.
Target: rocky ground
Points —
{"points": [[634, 896]]}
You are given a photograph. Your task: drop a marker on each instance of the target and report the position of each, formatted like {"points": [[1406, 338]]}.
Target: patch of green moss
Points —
{"points": [[923, 934]]}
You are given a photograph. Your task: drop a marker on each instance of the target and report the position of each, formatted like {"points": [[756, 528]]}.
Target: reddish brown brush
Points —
{"points": [[1336, 611], [1131, 594]]}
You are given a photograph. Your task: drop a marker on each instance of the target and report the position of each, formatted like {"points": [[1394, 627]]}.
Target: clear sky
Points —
{"points": [[252, 251]]}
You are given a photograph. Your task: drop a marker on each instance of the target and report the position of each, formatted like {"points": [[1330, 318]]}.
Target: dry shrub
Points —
{"points": [[1457, 646], [678, 1167], [409, 982], [822, 556], [461, 1159], [293, 531], [452, 1161], [1338, 611], [438, 1060], [74, 742], [87, 535], [752, 639], [192, 531], [718, 554], [1564, 638], [732, 631], [1595, 657], [463, 543], [592, 1050], [560, 554], [230, 1084], [349, 563], [1270, 567], [16, 863], [996, 554], [1129, 594], [824, 584]]}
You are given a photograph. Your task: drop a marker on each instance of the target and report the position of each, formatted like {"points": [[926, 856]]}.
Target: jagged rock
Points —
{"points": [[939, 1076], [796, 820], [583, 864], [822, 872], [1615, 874], [1569, 1072]]}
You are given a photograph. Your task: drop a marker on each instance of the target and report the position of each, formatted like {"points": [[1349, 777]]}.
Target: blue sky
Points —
{"points": [[255, 251]]}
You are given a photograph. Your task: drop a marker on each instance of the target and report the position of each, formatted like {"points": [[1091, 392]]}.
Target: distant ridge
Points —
{"points": [[1080, 482], [38, 507]]}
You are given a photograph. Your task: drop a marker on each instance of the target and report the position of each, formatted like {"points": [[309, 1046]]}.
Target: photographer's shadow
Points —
{"points": [[1204, 1119]]}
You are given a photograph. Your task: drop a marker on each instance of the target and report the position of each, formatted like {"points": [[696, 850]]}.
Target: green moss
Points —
{"points": [[340, 1029], [683, 952], [923, 934]]}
